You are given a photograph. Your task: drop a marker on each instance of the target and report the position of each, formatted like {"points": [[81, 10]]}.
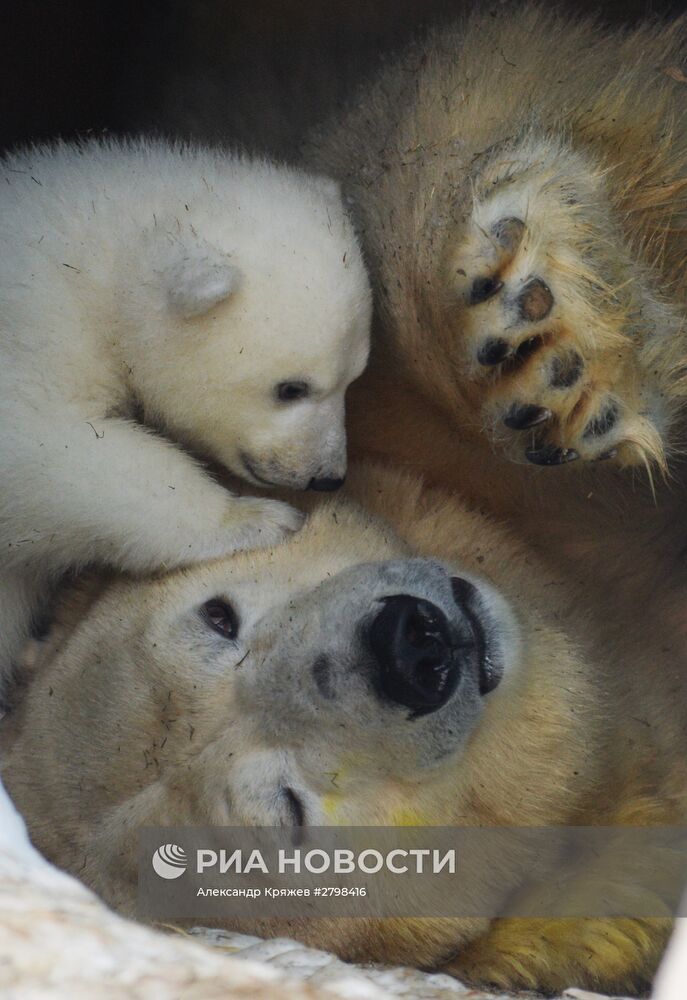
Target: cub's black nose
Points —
{"points": [[416, 657], [325, 485]]}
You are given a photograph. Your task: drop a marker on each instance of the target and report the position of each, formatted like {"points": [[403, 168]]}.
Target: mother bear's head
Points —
{"points": [[232, 693]]}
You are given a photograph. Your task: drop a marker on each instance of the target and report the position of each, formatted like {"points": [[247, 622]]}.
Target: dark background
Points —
{"points": [[209, 67]]}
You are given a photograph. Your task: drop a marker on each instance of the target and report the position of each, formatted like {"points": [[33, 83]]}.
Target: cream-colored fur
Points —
{"points": [[520, 146], [525, 145], [179, 287], [101, 743], [520, 187]]}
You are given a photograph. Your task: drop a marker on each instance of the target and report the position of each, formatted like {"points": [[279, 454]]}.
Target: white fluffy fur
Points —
{"points": [[180, 285], [672, 975]]}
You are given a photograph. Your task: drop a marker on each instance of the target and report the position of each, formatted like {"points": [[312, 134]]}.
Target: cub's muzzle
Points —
{"points": [[326, 484]]}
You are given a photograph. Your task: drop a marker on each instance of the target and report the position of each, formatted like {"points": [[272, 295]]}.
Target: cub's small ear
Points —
{"points": [[329, 187], [200, 280]]}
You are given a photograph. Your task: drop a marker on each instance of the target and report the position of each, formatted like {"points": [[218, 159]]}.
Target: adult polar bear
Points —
{"points": [[230, 693], [219, 301], [520, 186], [584, 125]]}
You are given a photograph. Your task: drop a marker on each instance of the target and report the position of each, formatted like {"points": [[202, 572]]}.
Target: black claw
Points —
{"points": [[535, 301], [551, 454], [522, 416], [605, 455], [483, 289], [516, 359], [528, 347], [602, 424], [493, 351], [566, 370]]}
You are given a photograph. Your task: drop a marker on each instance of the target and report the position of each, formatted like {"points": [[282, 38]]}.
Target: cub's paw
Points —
{"points": [[239, 523], [253, 523], [569, 351]]}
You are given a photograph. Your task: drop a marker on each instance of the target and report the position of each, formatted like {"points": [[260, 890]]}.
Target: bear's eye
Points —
{"points": [[221, 617], [289, 392]]}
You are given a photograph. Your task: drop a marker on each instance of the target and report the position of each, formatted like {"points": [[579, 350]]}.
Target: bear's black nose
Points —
{"points": [[417, 659], [325, 485]]}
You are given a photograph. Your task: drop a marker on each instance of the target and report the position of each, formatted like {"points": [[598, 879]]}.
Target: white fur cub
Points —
{"points": [[155, 298]]}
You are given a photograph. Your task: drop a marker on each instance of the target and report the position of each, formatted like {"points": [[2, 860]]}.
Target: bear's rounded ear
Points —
{"points": [[329, 187], [200, 280]]}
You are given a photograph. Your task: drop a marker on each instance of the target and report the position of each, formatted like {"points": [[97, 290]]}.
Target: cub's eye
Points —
{"points": [[289, 392], [221, 617]]}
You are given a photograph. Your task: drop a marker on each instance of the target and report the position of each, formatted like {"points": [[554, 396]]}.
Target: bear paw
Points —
{"points": [[252, 523], [546, 955], [570, 352]]}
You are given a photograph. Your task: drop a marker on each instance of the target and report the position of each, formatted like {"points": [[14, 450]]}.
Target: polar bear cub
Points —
{"points": [[159, 302]]}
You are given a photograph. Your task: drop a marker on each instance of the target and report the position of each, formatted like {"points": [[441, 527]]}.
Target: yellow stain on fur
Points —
{"points": [[405, 816], [331, 804]]}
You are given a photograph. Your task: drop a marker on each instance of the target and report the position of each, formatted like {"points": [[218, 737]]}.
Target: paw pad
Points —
{"points": [[508, 233], [535, 301]]}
